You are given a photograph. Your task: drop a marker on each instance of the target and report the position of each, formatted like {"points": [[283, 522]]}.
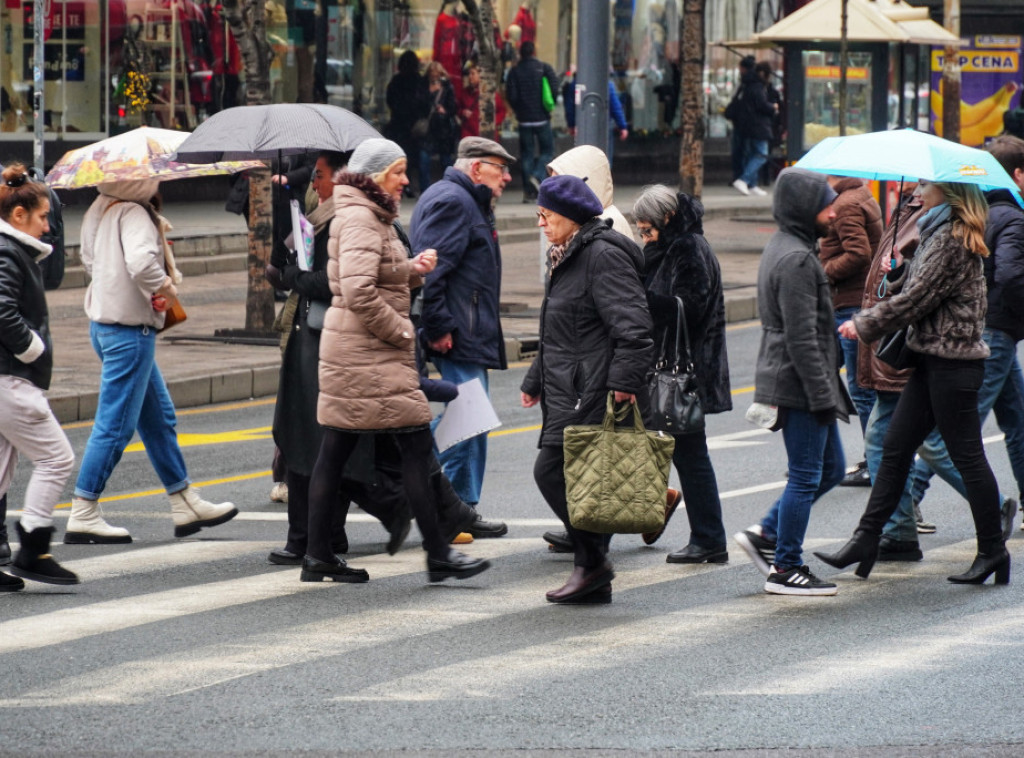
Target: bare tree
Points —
{"points": [[248, 21], [482, 15], [693, 119]]}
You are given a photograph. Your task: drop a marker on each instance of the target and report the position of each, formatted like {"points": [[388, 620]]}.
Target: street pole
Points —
{"points": [[844, 48], [38, 78], [951, 74], [592, 75]]}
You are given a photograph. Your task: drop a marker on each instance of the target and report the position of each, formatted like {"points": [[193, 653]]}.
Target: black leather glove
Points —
{"points": [[289, 274], [273, 274], [825, 417]]}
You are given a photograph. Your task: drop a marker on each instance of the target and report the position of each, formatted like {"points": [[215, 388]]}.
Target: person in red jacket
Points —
{"points": [[469, 104]]}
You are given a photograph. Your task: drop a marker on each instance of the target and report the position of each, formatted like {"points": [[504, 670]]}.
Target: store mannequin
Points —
{"points": [[447, 42]]}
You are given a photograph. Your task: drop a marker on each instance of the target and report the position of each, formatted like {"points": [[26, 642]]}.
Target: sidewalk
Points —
{"points": [[212, 242]]}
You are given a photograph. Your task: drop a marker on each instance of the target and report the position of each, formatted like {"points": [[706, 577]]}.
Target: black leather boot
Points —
{"points": [[455, 565], [10, 583], [861, 549], [995, 561], [34, 560], [338, 571]]}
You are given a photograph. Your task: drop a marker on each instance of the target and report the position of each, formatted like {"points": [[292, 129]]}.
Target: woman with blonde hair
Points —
{"points": [[941, 298]]}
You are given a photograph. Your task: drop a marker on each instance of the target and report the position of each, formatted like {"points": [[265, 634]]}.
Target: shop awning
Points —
{"points": [[867, 21]]}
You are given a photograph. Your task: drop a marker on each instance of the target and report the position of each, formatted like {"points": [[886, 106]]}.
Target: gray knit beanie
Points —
{"points": [[374, 156]]}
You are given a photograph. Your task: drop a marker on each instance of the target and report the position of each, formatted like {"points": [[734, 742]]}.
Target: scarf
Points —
{"points": [[321, 216], [556, 253], [933, 219]]}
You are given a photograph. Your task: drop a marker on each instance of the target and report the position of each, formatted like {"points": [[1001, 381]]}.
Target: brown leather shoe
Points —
{"points": [[582, 582], [672, 500]]}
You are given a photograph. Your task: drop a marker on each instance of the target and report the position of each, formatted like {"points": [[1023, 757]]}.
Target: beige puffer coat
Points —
{"points": [[368, 376]]}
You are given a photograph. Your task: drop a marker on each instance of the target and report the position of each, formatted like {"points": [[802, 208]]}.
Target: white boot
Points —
{"points": [[86, 526], [191, 513]]}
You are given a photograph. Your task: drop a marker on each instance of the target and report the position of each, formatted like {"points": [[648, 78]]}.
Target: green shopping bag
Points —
{"points": [[546, 98], [616, 476]]}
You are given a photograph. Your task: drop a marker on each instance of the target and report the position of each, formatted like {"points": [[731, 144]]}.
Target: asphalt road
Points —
{"points": [[201, 647]]}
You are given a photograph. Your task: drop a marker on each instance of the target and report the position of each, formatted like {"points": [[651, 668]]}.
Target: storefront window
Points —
{"points": [[74, 63], [821, 104]]}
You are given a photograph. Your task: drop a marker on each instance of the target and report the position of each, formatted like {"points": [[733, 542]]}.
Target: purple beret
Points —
{"points": [[569, 196]]}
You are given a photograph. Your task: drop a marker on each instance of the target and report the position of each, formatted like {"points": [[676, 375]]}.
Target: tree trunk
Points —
{"points": [[692, 112], [248, 21], [951, 74], [482, 15]]}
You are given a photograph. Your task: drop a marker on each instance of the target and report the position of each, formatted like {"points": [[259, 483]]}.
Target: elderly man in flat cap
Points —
{"points": [[460, 321]]}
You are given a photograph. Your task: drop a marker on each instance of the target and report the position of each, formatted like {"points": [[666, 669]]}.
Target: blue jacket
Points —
{"points": [[461, 295], [618, 116]]}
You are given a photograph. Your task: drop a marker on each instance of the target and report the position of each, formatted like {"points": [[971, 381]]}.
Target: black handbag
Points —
{"points": [[893, 349], [675, 403]]}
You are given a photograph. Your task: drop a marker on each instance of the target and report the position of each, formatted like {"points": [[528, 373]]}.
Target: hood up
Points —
{"points": [[798, 198], [590, 164], [140, 191]]}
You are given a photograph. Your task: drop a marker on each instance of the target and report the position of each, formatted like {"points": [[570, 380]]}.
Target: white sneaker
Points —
{"points": [[86, 526], [279, 492], [757, 191], [741, 186], [191, 513]]}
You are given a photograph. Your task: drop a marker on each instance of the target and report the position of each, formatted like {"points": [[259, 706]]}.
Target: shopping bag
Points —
{"points": [[616, 476]]}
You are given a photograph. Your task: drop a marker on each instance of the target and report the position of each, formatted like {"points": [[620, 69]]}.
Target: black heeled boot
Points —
{"points": [[995, 561], [34, 561], [861, 549]]}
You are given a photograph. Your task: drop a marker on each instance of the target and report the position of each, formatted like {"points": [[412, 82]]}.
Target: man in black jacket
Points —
{"points": [[1002, 390], [524, 90], [752, 115]]}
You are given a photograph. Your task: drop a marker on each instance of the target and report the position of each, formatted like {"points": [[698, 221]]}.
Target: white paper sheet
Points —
{"points": [[468, 415]]}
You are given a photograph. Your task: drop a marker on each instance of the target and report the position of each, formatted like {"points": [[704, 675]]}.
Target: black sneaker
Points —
{"points": [[797, 581], [760, 549], [859, 477], [923, 527]]}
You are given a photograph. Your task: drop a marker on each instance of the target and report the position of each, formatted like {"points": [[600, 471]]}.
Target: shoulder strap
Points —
{"points": [[681, 327]]}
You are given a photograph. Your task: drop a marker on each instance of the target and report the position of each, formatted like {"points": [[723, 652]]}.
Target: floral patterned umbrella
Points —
{"points": [[143, 153]]}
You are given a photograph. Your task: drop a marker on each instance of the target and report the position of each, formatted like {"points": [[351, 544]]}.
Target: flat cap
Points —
{"points": [[481, 147]]}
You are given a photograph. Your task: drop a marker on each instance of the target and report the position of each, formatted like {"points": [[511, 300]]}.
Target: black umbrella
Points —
{"points": [[266, 132]]}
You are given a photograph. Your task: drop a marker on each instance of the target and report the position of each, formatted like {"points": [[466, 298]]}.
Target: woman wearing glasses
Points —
{"points": [[679, 263], [595, 337], [941, 297]]}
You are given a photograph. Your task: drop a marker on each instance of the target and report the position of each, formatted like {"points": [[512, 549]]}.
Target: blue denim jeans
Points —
{"points": [[133, 397], [700, 491], [1001, 391], [464, 463], [755, 155], [425, 158], [863, 398], [536, 149], [816, 465]]}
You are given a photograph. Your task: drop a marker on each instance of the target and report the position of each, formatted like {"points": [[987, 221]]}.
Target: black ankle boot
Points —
{"points": [[339, 571], [10, 583], [861, 549], [34, 560], [996, 560], [5, 550], [455, 565]]}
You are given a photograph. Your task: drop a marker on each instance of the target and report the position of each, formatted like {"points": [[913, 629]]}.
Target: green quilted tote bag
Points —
{"points": [[616, 476]]}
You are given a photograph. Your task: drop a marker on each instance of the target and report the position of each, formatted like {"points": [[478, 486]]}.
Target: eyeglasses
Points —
{"points": [[645, 232], [544, 215], [502, 166]]}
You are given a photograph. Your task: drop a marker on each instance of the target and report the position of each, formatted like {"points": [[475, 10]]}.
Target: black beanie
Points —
{"points": [[569, 196]]}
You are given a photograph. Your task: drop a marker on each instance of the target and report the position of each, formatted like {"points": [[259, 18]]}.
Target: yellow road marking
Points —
{"points": [[215, 438]]}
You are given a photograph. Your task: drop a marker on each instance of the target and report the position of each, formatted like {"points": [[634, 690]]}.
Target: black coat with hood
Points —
{"points": [[797, 364], [1004, 267], [681, 264], [23, 312], [750, 110], [595, 332]]}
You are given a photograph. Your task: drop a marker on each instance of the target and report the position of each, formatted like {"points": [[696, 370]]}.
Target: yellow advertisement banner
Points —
{"points": [[982, 61]]}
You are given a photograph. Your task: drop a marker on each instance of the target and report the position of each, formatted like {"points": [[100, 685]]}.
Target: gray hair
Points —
{"points": [[656, 204], [465, 165]]}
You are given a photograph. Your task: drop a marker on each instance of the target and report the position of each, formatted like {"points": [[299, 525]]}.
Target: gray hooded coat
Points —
{"points": [[797, 365]]}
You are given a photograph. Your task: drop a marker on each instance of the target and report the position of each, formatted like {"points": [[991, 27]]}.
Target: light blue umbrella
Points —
{"points": [[907, 154]]}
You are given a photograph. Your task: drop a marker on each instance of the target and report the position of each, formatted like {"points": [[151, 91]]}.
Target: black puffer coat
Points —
{"points": [[23, 307], [595, 332], [1004, 268], [681, 264]]}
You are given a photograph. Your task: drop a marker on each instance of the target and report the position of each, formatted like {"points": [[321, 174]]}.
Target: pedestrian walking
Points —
{"points": [[796, 374], [27, 425], [437, 92], [595, 338], [752, 115], [369, 383], [460, 317], [941, 298], [618, 127], [679, 263], [125, 252], [1002, 390], [845, 254], [404, 98], [591, 165], [524, 88]]}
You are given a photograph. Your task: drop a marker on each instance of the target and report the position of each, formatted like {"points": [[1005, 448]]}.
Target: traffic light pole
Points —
{"points": [[592, 75]]}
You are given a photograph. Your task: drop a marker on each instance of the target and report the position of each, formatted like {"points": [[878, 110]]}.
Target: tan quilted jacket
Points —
{"points": [[368, 376]]}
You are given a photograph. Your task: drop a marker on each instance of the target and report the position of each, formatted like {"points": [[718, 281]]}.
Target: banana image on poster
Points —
{"points": [[980, 120]]}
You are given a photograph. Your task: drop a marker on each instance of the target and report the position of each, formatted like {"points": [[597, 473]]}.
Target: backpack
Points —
{"points": [[52, 265]]}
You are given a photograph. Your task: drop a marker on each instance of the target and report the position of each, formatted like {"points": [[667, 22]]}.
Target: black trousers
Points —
{"points": [[548, 472], [941, 393], [335, 448]]}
